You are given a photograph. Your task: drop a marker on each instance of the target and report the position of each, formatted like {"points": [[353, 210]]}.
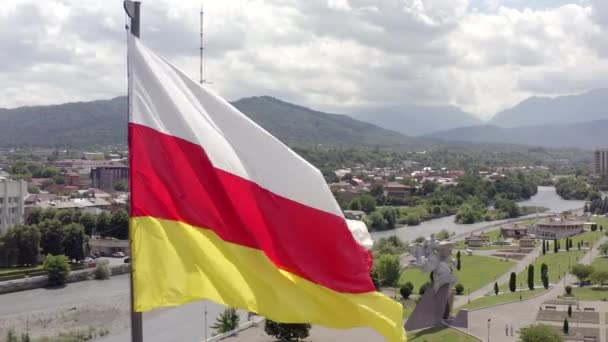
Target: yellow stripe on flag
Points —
{"points": [[176, 263]]}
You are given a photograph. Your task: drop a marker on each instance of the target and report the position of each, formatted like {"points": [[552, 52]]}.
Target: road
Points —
{"points": [[102, 303]]}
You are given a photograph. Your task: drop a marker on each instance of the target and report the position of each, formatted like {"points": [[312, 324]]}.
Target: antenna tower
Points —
{"points": [[201, 80]]}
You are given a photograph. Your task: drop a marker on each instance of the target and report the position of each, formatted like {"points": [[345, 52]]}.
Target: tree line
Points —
{"points": [[58, 232], [468, 200]]}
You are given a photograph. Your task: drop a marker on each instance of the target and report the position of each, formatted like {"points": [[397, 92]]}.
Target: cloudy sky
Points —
{"points": [[334, 55]]}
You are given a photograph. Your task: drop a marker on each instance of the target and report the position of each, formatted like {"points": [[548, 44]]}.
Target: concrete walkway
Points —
{"points": [[518, 267], [520, 314]]}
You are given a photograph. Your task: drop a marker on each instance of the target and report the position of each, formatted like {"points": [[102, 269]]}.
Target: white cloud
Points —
{"points": [[483, 55]]}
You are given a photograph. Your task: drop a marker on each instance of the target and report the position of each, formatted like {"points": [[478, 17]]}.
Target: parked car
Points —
{"points": [[118, 254]]}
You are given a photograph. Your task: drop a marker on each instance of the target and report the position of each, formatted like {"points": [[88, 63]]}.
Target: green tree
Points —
{"points": [[544, 249], [368, 203], [567, 245], [458, 264], [569, 310], [390, 216], [376, 221], [566, 328], [73, 243], [387, 268], [121, 186], [25, 337], [51, 237], [103, 224], [88, 221], [48, 214], [120, 225], [286, 331], [376, 190], [227, 321], [582, 272], [21, 244], [443, 235], [599, 277], [555, 247], [604, 249], [57, 268], [389, 245], [540, 333], [64, 216], [355, 204], [544, 275], [512, 282], [11, 336], [34, 216], [496, 288], [531, 277]]}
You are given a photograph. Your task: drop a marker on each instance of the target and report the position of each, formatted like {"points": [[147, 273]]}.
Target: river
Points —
{"points": [[545, 197]]}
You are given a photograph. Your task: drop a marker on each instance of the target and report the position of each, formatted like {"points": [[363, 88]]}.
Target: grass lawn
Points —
{"points": [[19, 269], [476, 272], [590, 293], [600, 264], [439, 334], [408, 307], [501, 298], [557, 263]]}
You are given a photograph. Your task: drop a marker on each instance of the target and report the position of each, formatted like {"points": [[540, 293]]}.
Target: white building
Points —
{"points": [[12, 202]]}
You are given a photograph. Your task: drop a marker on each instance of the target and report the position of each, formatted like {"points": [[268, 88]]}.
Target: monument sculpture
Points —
{"points": [[436, 257]]}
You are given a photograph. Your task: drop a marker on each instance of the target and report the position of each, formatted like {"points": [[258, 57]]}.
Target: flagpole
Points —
{"points": [[132, 10]]}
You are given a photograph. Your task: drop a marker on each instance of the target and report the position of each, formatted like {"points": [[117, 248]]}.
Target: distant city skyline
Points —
{"points": [[480, 55]]}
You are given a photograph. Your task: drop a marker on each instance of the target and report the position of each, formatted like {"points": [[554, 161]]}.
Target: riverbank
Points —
{"points": [[545, 197]]}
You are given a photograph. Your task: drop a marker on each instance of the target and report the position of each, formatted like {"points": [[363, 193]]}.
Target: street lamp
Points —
{"points": [[489, 320], [205, 323]]}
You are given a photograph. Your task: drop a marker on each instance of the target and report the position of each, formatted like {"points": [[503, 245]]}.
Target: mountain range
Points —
{"points": [[585, 135], [567, 121], [535, 110], [104, 122], [563, 121], [415, 120]]}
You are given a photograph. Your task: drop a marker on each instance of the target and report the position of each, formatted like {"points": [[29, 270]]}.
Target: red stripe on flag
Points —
{"points": [[174, 179]]}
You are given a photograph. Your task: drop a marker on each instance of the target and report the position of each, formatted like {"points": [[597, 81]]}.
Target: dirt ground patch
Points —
{"points": [[54, 321]]}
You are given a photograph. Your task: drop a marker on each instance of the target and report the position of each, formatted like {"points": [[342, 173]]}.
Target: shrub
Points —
{"points": [[569, 290], [405, 292], [566, 327], [540, 333], [423, 288], [496, 289], [57, 268], [227, 321], [459, 289], [406, 289], [102, 270], [286, 331]]}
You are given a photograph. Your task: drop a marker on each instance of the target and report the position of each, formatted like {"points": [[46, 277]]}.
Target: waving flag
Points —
{"points": [[222, 210]]}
